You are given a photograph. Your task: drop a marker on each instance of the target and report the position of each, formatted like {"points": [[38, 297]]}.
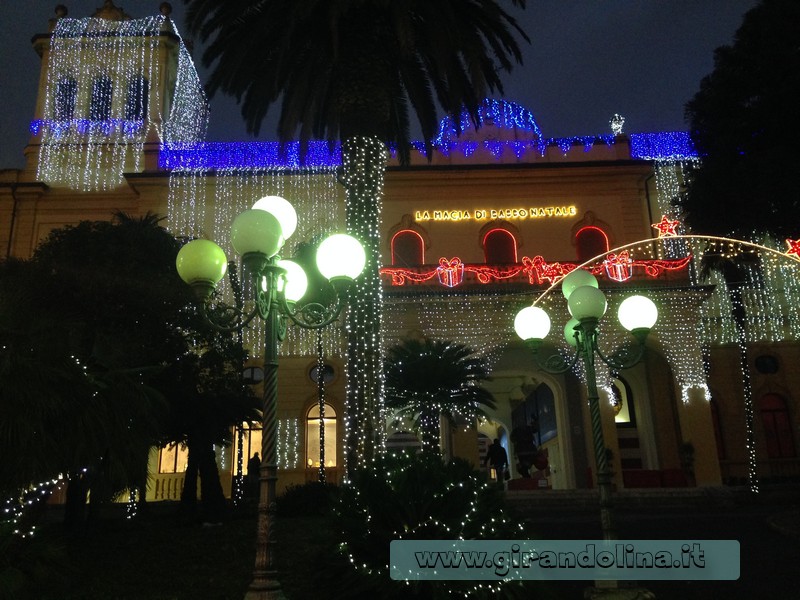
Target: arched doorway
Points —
{"points": [[777, 426], [513, 374]]}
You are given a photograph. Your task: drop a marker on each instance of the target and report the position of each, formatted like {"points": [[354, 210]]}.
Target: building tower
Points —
{"points": [[112, 89]]}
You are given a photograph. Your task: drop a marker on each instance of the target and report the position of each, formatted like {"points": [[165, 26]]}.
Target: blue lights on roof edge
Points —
{"points": [[452, 138], [659, 146]]}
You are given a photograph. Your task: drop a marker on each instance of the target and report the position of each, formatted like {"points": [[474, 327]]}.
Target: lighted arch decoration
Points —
{"points": [[589, 239], [690, 376], [407, 225], [682, 341], [406, 243], [592, 227], [591, 264], [499, 246]]}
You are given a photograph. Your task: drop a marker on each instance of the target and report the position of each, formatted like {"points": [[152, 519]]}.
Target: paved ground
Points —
{"points": [[768, 531]]}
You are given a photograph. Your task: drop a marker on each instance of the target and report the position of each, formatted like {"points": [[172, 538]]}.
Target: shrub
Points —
{"points": [[311, 499], [418, 497]]}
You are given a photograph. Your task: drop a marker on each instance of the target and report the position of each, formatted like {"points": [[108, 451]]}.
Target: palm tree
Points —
{"points": [[85, 327], [63, 411], [352, 71], [207, 398], [742, 120], [427, 379]]}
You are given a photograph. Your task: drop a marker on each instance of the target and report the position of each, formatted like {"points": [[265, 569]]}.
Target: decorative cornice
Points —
{"points": [[109, 12]]}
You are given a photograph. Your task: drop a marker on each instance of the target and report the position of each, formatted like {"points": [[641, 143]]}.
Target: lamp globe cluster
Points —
{"points": [[586, 304], [260, 233]]}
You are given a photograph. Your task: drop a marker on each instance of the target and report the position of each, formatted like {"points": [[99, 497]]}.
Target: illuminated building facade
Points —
{"points": [[471, 233]]}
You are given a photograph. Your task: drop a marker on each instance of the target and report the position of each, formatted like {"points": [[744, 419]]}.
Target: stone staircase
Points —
{"points": [[526, 501]]}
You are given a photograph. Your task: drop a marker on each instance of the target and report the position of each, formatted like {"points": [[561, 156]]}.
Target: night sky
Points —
{"points": [[587, 60]]}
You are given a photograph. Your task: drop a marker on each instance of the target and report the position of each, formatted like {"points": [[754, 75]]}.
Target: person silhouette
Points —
{"points": [[253, 474], [497, 457]]}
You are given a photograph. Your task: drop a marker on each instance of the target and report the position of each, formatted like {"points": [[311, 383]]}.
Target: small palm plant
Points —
{"points": [[427, 379]]}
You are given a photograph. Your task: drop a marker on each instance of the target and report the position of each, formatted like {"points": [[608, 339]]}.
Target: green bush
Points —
{"points": [[310, 499], [26, 563], [418, 497]]}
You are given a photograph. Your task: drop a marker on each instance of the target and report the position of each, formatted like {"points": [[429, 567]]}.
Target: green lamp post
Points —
{"points": [[276, 286], [587, 305]]}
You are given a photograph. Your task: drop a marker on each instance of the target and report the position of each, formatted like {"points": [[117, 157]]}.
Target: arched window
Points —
{"points": [[251, 443], [622, 403], [717, 428], [408, 249], [589, 242], [538, 411], [136, 101], [313, 436], [777, 426], [66, 94], [100, 107], [499, 247]]}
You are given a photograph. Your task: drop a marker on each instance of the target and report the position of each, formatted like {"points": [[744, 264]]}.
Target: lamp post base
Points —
{"points": [[265, 587]]}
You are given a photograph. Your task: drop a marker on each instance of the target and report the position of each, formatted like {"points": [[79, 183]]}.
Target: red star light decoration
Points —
{"points": [[794, 248], [666, 227]]}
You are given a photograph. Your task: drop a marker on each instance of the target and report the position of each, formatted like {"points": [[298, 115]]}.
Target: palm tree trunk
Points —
{"points": [[734, 279], [364, 163], [212, 497], [188, 505], [75, 505], [429, 428]]}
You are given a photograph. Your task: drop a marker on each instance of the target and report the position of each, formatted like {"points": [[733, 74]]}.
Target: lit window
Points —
{"points": [[777, 426], [136, 101], [499, 247], [66, 94], [251, 443], [590, 241], [173, 458], [100, 107], [313, 436], [408, 249], [622, 403]]}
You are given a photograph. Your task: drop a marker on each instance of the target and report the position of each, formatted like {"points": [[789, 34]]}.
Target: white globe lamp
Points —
{"points": [[256, 231], [296, 280], [575, 279], [587, 302], [532, 323], [637, 312], [341, 255], [282, 210]]}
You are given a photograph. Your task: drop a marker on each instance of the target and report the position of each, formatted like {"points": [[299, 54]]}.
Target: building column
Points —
{"points": [[697, 428]]}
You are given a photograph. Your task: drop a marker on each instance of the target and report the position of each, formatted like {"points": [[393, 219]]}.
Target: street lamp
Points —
{"points": [[587, 305], [277, 285]]}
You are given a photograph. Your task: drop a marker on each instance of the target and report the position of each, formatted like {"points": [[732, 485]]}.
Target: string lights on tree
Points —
{"points": [[16, 508], [363, 168]]}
